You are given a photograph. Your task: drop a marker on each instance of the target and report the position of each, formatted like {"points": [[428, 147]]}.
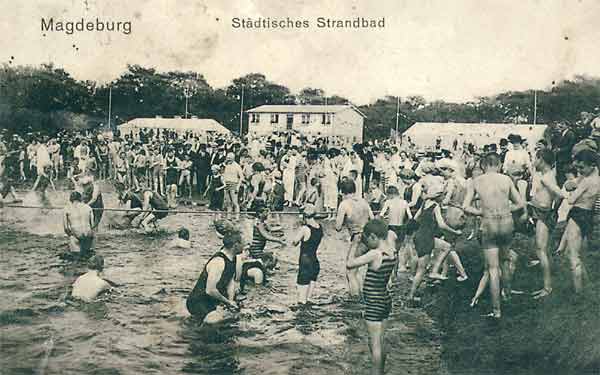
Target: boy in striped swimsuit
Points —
{"points": [[381, 260]]}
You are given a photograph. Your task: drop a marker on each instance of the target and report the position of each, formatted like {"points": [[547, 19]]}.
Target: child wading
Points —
{"points": [[309, 237], [381, 261]]}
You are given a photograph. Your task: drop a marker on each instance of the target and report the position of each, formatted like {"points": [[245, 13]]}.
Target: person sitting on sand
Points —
{"points": [[495, 192], [216, 286], [183, 239], [78, 222], [89, 285], [380, 260]]}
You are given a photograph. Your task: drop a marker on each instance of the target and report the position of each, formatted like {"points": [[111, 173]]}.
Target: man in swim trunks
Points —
{"points": [[216, 286], [92, 196], [78, 222], [495, 192], [580, 217], [398, 212], [545, 191], [354, 212]]}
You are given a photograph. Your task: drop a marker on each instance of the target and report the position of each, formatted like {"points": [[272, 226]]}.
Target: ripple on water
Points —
{"points": [[143, 327]]}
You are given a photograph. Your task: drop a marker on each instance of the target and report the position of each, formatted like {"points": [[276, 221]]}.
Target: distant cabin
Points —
{"points": [[194, 125], [424, 134], [343, 122]]}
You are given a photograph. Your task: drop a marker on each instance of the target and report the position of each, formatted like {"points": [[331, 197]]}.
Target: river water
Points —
{"points": [[142, 326]]}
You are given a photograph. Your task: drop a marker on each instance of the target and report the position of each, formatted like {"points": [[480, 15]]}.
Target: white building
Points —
{"points": [[343, 122], [194, 125]]}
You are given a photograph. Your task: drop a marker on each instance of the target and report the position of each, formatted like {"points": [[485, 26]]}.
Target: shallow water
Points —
{"points": [[142, 328]]}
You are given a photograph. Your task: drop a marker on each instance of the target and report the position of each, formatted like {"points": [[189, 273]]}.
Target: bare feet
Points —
{"points": [[542, 293], [437, 276]]}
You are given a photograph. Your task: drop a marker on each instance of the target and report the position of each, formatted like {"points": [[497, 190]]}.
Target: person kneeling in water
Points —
{"points": [[309, 237], [78, 221], [216, 286], [89, 285]]}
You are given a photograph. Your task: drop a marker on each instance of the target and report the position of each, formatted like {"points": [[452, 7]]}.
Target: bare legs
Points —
{"points": [[376, 337], [541, 239]]}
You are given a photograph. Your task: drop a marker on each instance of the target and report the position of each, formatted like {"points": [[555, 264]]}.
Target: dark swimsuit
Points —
{"points": [[378, 302], [97, 205], [200, 304], [583, 218], [545, 215], [425, 235], [308, 263], [159, 206]]}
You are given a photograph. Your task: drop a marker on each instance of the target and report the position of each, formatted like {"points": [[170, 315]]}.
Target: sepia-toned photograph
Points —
{"points": [[303, 187]]}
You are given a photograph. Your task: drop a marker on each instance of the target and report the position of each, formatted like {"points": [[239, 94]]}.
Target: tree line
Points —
{"points": [[47, 98]]}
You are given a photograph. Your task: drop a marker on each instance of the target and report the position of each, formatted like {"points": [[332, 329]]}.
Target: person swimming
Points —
{"points": [[183, 239], [89, 285], [78, 223]]}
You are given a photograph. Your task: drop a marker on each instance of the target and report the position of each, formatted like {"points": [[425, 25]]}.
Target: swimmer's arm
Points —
{"points": [[341, 215], [417, 189], [384, 209], [516, 198], [371, 216], [91, 217], [301, 236], [552, 187], [577, 193], [367, 258], [468, 202], [449, 192], [440, 221], [146, 204], [263, 231], [408, 213], [95, 193], [239, 262], [215, 270]]}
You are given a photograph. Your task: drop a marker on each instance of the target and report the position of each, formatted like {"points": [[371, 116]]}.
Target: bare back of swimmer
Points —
{"points": [[354, 212], [78, 221], [495, 192]]}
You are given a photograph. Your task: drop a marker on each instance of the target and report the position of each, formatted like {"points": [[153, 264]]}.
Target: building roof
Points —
{"points": [[478, 133], [199, 124], [303, 108]]}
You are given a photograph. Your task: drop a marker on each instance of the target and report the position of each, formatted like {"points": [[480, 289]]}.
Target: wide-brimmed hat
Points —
{"points": [[515, 138]]}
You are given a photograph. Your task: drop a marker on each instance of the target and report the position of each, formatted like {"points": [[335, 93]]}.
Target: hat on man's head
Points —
{"points": [[515, 138]]}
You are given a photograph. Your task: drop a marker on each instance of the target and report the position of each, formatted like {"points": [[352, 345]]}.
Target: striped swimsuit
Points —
{"points": [[378, 302], [257, 248]]}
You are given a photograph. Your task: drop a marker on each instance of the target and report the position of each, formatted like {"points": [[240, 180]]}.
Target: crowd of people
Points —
{"points": [[404, 209]]}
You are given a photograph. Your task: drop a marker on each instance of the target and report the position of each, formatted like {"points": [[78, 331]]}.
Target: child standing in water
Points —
{"points": [[309, 237], [380, 259], [430, 221]]}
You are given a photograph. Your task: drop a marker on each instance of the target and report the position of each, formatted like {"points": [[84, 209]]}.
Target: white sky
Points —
{"points": [[453, 50]]}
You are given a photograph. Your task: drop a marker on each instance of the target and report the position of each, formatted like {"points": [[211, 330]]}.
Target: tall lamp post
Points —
{"points": [[241, 111]]}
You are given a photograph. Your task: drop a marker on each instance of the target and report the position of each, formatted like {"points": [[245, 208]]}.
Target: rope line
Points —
{"points": [[198, 212]]}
